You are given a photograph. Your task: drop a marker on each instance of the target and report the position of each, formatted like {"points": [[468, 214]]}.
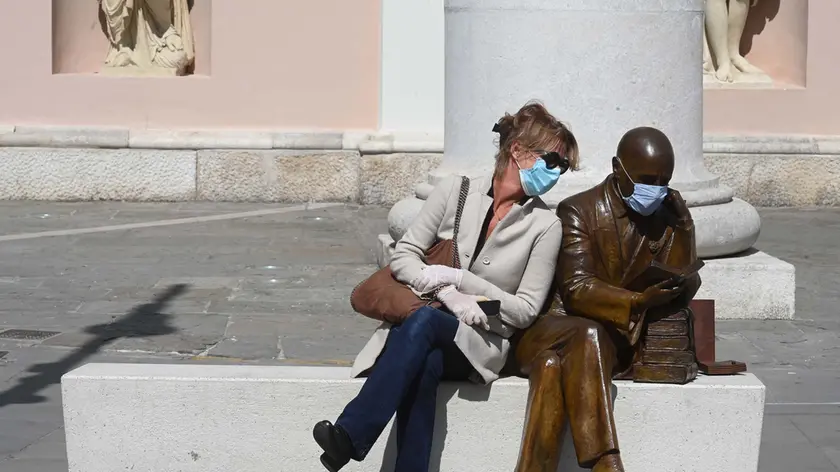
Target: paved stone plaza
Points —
{"points": [[269, 284]]}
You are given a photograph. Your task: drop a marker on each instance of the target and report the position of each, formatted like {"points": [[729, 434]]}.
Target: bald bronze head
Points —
{"points": [[644, 156]]}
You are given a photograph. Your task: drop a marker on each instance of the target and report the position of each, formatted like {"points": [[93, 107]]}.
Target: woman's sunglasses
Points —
{"points": [[553, 160]]}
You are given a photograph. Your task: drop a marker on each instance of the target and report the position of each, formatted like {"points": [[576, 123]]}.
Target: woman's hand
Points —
{"points": [[434, 276], [464, 307]]}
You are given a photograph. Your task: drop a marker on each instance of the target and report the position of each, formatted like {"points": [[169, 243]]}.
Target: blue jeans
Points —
{"points": [[418, 355]]}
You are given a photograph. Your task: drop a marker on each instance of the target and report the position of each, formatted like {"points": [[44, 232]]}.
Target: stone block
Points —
{"points": [[388, 178], [64, 136], [733, 172], [96, 174], [311, 140], [222, 418], [777, 180], [286, 176], [6, 129], [199, 139], [754, 285], [796, 180], [778, 170]]}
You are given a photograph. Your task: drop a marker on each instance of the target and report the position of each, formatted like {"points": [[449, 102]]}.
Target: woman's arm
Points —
{"points": [[520, 310], [410, 251]]}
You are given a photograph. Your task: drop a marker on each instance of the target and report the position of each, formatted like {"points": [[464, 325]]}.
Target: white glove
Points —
{"points": [[434, 276], [464, 307]]}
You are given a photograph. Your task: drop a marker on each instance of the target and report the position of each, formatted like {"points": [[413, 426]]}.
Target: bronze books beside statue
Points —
{"points": [[626, 274]]}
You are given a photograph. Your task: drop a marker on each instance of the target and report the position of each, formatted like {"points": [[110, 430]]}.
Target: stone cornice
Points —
{"points": [[771, 144], [365, 141]]}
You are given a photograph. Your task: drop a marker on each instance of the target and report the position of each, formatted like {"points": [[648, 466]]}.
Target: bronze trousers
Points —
{"points": [[569, 362]]}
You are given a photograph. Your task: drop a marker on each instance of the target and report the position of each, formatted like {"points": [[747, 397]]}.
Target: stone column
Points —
{"points": [[603, 66], [412, 67]]}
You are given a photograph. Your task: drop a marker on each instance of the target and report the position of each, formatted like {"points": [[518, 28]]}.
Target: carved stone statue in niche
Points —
{"points": [[148, 37], [722, 59]]}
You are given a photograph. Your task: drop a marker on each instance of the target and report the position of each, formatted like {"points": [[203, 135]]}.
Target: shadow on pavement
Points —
{"points": [[142, 321]]}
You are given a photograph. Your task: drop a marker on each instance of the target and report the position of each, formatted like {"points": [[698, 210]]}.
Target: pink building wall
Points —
{"points": [[260, 64], [315, 64], [798, 47]]}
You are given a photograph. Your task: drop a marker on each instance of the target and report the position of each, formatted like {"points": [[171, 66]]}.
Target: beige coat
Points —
{"points": [[515, 266]]}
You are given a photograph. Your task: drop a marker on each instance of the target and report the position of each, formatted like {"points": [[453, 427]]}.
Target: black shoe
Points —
{"points": [[338, 450]]}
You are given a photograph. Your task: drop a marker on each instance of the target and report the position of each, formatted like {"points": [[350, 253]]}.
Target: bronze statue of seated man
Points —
{"points": [[608, 299]]}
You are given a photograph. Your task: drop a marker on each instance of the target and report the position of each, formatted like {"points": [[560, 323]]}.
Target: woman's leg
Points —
{"points": [[416, 417], [402, 361], [416, 414]]}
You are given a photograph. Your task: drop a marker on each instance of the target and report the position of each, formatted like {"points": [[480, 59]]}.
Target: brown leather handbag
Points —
{"points": [[384, 298]]}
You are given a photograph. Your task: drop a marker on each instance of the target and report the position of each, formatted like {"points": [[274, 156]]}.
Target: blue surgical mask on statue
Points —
{"points": [[646, 199], [538, 179]]}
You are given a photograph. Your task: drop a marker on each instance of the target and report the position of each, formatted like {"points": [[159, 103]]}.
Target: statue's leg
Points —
{"points": [[717, 25], [708, 64], [738, 12], [540, 449], [588, 359]]}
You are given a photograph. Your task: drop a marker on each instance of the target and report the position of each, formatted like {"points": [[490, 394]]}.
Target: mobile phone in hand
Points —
{"points": [[490, 307]]}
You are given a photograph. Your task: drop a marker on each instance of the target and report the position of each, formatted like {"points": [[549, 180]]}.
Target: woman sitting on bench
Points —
{"points": [[508, 241]]}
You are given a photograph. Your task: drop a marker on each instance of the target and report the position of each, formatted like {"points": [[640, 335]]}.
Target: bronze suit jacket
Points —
{"points": [[606, 247]]}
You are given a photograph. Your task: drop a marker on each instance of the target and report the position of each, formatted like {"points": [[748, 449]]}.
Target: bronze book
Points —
{"points": [[677, 343], [657, 272], [668, 374], [668, 328], [651, 356], [681, 315]]}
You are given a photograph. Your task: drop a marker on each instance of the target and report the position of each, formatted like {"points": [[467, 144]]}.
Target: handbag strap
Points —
{"points": [[459, 210]]}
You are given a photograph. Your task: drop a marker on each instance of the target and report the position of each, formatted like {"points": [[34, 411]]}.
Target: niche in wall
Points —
{"points": [[775, 40], [80, 44]]}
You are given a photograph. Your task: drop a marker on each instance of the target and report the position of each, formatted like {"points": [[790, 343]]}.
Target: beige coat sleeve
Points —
{"points": [[409, 253], [521, 310]]}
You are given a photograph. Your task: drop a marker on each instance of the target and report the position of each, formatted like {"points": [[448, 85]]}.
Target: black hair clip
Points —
{"points": [[496, 128]]}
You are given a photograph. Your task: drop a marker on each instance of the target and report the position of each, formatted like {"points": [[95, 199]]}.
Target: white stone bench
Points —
{"points": [[200, 418]]}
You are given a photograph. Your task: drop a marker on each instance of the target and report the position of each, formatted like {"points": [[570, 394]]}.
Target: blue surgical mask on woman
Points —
{"points": [[646, 199], [539, 179]]}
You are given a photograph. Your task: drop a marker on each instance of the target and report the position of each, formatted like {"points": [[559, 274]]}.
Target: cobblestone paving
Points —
{"points": [[211, 282]]}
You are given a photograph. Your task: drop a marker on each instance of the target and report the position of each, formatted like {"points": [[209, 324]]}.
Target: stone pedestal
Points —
{"points": [[603, 66]]}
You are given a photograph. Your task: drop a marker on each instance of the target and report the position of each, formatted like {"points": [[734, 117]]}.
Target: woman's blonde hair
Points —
{"points": [[534, 128]]}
